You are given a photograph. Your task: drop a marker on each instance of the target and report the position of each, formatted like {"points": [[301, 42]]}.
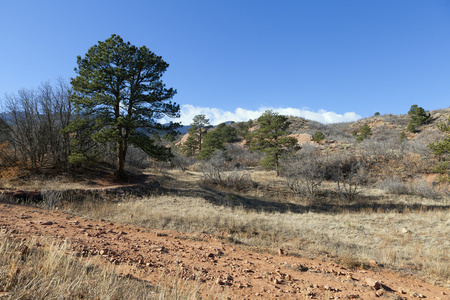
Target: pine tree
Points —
{"points": [[318, 136], [120, 96], [442, 150], [212, 142], [365, 133], [418, 117], [197, 131], [272, 139]]}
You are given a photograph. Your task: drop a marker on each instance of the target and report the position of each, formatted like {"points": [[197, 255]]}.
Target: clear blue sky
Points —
{"points": [[234, 58]]}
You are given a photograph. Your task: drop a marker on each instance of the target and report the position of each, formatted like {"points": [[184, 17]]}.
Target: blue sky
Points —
{"points": [[325, 60]]}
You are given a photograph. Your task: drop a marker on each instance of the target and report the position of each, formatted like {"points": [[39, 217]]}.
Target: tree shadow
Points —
{"points": [[229, 198]]}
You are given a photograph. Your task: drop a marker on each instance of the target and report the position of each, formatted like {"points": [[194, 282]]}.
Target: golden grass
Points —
{"points": [[413, 241], [39, 183]]}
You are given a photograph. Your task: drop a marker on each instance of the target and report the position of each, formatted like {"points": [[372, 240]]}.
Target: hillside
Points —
{"points": [[345, 220]]}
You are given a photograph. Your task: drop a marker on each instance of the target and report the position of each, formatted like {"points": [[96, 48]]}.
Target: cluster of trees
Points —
{"points": [[271, 138]]}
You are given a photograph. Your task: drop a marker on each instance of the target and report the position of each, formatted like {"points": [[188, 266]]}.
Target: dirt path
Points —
{"points": [[240, 273]]}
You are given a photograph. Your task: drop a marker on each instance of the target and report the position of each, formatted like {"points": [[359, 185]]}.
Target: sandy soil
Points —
{"points": [[239, 273]]}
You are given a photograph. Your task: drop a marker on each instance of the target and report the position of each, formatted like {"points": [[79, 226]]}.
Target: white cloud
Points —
{"points": [[217, 115]]}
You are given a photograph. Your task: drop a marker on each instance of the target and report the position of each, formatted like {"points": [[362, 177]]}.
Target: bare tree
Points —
{"points": [[36, 119]]}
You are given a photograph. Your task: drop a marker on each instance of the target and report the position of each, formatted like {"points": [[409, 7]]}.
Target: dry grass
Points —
{"points": [[43, 269], [40, 182], [401, 233]]}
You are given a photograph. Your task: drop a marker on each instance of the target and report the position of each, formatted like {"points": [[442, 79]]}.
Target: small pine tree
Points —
{"points": [[318, 136], [197, 131], [365, 133], [442, 150], [376, 114], [418, 117]]}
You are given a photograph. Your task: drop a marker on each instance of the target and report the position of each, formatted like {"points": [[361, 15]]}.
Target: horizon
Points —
{"points": [[324, 61]]}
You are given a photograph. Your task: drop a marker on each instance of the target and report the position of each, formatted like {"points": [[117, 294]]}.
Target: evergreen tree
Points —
{"points": [[197, 131], [227, 132], [418, 117], [442, 150], [272, 139], [365, 133], [212, 142], [120, 96], [318, 136]]}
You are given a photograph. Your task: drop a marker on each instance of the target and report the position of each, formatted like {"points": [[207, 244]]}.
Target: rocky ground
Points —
{"points": [[235, 272]]}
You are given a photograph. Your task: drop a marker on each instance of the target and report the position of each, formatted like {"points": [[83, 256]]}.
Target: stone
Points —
{"points": [[373, 263], [405, 230], [373, 283], [280, 251], [46, 223]]}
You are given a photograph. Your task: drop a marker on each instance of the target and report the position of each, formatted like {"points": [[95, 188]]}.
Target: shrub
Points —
{"points": [[393, 185], [349, 172], [181, 161], [304, 173], [242, 158], [215, 173], [422, 189], [318, 136]]}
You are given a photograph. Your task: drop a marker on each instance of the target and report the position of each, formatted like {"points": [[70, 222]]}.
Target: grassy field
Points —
{"points": [[406, 233]]}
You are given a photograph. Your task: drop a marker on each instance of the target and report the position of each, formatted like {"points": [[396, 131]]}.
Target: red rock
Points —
{"points": [[373, 283]]}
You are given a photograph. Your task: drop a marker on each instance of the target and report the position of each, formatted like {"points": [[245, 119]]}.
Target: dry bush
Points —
{"points": [[304, 172], [241, 157], [348, 171], [399, 120], [213, 168], [393, 185], [335, 132], [422, 189], [181, 161], [215, 173], [137, 158]]}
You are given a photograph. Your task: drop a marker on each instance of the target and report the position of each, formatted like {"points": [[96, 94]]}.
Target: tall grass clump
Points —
{"points": [[42, 269]]}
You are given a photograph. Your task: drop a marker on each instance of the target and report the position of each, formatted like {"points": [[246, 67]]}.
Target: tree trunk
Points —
{"points": [[121, 152], [277, 165]]}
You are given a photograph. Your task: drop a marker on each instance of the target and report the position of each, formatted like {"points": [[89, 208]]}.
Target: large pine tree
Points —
{"points": [[120, 96]]}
